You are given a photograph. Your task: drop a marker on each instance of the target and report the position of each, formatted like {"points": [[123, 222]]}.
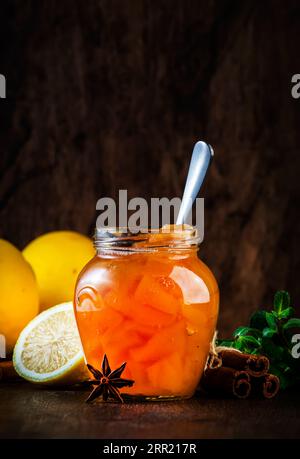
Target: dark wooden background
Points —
{"points": [[110, 94]]}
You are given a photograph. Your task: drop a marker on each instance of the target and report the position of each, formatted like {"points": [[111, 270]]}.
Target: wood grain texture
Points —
{"points": [[112, 94], [28, 412]]}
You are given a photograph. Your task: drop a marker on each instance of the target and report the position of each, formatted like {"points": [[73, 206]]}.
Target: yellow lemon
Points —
{"points": [[19, 301], [48, 350], [57, 258]]}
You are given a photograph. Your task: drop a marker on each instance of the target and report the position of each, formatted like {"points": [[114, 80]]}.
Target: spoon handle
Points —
{"points": [[201, 157]]}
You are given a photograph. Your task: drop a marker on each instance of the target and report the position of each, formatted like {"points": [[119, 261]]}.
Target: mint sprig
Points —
{"points": [[270, 333]]}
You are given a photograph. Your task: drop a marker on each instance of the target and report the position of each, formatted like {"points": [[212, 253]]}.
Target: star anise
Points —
{"points": [[107, 382]]}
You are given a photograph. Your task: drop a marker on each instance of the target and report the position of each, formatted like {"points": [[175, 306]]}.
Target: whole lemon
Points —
{"points": [[19, 300], [57, 258]]}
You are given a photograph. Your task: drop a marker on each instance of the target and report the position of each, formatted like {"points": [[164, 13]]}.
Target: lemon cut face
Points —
{"points": [[49, 349]]}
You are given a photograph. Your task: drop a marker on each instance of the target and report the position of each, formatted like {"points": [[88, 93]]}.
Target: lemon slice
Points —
{"points": [[48, 350]]}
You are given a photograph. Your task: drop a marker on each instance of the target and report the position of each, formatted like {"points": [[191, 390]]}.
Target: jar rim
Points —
{"points": [[170, 237]]}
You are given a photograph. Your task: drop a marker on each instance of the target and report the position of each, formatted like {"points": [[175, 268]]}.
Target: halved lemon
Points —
{"points": [[48, 350]]}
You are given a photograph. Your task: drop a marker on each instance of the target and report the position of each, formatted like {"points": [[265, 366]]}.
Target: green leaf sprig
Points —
{"points": [[270, 334]]}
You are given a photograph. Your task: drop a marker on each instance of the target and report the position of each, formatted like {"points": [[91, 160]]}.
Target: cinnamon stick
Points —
{"points": [[268, 386], [255, 365], [7, 372], [214, 361], [226, 381]]}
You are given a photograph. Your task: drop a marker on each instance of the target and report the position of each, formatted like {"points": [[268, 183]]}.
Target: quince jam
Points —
{"points": [[148, 300]]}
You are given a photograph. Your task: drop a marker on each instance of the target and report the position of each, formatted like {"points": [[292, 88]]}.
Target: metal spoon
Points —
{"points": [[201, 158]]}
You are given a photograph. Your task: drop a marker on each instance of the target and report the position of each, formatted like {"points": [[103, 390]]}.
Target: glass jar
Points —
{"points": [[148, 300]]}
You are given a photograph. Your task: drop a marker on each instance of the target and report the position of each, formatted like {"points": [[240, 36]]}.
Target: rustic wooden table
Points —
{"points": [[29, 412]]}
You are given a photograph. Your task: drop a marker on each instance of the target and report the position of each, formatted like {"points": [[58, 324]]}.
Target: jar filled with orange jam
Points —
{"points": [[148, 300]]}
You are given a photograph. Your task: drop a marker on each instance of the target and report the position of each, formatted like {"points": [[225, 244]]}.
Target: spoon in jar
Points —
{"points": [[201, 158]]}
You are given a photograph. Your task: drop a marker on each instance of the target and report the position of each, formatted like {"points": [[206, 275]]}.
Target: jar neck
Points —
{"points": [[151, 241]]}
